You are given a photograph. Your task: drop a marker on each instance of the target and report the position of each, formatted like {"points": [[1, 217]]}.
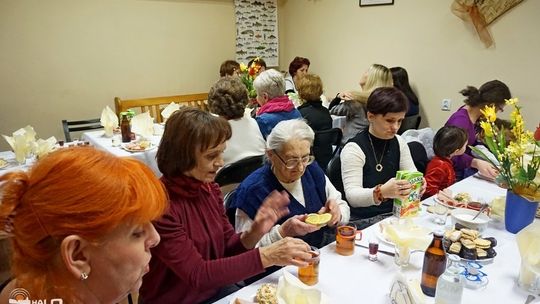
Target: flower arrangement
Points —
{"points": [[518, 157], [248, 75]]}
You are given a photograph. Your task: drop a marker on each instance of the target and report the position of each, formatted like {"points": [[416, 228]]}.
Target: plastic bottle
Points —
{"points": [[450, 283], [125, 127], [434, 264]]}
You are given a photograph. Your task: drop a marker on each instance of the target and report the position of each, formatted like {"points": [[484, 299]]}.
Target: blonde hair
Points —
{"points": [[378, 76]]}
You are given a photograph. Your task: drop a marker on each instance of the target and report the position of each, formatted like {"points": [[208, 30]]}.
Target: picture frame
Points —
{"points": [[376, 2]]}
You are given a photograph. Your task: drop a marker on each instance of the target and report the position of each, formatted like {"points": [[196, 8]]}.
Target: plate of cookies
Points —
{"points": [[469, 245]]}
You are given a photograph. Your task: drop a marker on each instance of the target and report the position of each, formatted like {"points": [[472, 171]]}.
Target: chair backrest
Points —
{"points": [[419, 155], [323, 145], [410, 122], [235, 173], [154, 105], [333, 171], [227, 201], [79, 125]]}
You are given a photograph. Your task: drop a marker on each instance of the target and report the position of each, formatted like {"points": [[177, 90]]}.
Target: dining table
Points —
{"points": [[356, 279], [12, 165]]}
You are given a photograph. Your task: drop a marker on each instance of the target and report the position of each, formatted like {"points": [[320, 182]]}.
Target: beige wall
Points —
{"points": [[67, 59], [441, 53]]}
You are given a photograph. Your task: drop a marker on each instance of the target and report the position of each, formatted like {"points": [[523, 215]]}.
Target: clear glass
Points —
{"points": [[373, 248], [402, 255], [440, 212], [527, 279], [309, 275], [450, 284]]}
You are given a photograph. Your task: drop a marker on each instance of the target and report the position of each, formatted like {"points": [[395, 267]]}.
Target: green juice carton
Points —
{"points": [[410, 206]]}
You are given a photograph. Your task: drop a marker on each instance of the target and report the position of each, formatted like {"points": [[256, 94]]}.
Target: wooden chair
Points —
{"points": [[154, 105], [79, 125]]}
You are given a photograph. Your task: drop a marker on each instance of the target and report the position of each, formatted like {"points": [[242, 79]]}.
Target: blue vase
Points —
{"points": [[519, 212]]}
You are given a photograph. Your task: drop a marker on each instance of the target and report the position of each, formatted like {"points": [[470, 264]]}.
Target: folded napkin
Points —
{"points": [[22, 142], [528, 241], [44, 146], [406, 291], [143, 124], [168, 110], [291, 290], [406, 234], [109, 121]]}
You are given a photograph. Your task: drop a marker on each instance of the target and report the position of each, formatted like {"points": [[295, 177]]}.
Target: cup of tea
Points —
{"points": [[309, 275], [345, 236]]}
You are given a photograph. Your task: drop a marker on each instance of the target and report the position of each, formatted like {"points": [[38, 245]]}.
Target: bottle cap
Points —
{"points": [[438, 233]]}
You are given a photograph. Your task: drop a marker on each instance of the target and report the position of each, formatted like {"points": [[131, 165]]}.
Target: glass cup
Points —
{"points": [[373, 248], [440, 211], [402, 255], [345, 237], [309, 275], [527, 279]]}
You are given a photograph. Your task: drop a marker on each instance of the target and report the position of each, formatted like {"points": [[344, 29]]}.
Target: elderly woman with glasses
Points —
{"points": [[290, 167]]}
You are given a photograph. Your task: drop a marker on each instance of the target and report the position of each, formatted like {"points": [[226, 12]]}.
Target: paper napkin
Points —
{"points": [[44, 146], [168, 110], [291, 290], [143, 124], [109, 121]]}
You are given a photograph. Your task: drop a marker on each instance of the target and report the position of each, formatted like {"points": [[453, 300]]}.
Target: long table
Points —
{"points": [[355, 279]]}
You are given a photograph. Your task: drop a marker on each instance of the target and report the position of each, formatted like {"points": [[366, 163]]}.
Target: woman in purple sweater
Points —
{"points": [[493, 92], [200, 255]]}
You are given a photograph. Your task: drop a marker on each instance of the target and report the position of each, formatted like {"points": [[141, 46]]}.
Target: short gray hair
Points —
{"points": [[287, 130], [270, 82]]}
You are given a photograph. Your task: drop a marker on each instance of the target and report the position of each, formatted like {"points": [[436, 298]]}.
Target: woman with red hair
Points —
{"points": [[81, 226]]}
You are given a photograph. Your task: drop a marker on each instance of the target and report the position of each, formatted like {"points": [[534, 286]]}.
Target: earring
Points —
{"points": [[84, 276]]}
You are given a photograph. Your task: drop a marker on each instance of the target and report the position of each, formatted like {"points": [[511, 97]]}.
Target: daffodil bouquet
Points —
{"points": [[518, 157], [248, 75]]}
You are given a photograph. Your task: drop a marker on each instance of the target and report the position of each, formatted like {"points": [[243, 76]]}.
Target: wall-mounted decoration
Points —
{"points": [[482, 13], [256, 31], [376, 2]]}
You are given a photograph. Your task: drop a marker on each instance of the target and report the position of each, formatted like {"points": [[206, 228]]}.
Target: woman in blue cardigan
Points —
{"points": [[290, 167]]}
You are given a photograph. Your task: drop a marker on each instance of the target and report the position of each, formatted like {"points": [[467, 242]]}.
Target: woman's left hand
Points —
{"points": [[424, 187], [272, 209], [332, 207]]}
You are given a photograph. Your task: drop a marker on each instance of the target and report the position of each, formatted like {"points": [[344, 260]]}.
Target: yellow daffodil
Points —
{"points": [[511, 101], [486, 126], [490, 113], [243, 67]]}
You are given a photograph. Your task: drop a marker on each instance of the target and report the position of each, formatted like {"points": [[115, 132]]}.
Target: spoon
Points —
{"points": [[484, 206]]}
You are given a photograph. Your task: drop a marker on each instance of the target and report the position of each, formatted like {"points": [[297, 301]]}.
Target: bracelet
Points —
{"points": [[377, 193]]}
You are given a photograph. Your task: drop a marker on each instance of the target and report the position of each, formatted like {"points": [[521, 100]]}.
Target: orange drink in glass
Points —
{"points": [[345, 237], [309, 275]]}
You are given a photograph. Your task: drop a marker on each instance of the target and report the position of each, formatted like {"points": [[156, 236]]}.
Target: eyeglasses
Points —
{"points": [[294, 162]]}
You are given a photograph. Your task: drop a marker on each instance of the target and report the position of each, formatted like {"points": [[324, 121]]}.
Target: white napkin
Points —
{"points": [[22, 142], [291, 290], [168, 110], [405, 233], [44, 146], [406, 291], [143, 124], [528, 241], [109, 121]]}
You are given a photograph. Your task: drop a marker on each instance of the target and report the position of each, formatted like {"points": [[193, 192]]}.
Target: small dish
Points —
{"points": [[464, 217], [138, 146]]}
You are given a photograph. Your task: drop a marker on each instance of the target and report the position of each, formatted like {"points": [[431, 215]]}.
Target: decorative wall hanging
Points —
{"points": [[256, 31], [376, 2], [482, 13]]}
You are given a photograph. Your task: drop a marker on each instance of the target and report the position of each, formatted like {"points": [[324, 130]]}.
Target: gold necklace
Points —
{"points": [[378, 166]]}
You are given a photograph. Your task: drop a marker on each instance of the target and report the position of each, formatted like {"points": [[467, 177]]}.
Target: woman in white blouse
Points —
{"points": [[290, 168], [371, 159]]}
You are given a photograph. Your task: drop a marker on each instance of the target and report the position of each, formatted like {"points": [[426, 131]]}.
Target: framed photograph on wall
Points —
{"points": [[376, 2]]}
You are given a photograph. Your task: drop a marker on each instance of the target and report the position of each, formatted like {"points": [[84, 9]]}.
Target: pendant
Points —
{"points": [[378, 167]]}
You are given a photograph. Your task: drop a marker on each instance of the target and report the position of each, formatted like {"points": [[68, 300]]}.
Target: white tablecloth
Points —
{"points": [[355, 279], [12, 164], [98, 140]]}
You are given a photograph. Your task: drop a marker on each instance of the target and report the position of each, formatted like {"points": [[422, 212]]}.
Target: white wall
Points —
{"points": [[67, 59], [441, 53]]}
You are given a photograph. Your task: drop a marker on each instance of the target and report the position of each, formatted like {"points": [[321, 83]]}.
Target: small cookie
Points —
{"points": [[455, 236], [469, 233], [469, 244], [482, 243], [447, 233], [492, 240], [469, 254], [481, 253], [455, 248], [491, 253]]}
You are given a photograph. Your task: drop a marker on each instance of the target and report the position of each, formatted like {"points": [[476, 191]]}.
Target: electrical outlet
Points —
{"points": [[445, 105]]}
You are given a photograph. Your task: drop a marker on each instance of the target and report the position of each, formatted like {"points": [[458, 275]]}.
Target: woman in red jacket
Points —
{"points": [[200, 254]]}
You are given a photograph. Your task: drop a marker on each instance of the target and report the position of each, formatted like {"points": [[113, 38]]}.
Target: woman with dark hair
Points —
{"points": [[297, 68], [228, 98], [401, 81], [493, 92], [229, 68], [371, 159], [200, 255]]}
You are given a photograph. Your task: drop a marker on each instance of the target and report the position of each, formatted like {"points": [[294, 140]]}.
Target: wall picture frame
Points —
{"points": [[376, 2]]}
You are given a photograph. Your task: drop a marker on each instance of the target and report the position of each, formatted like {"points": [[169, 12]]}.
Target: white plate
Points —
{"points": [[380, 236], [125, 146], [247, 293]]}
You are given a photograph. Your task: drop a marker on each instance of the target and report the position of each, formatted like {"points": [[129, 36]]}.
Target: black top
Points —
{"points": [[371, 178], [317, 116]]}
